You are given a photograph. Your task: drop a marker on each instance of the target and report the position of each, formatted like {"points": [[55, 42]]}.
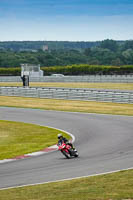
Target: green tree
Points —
{"points": [[109, 44], [127, 45]]}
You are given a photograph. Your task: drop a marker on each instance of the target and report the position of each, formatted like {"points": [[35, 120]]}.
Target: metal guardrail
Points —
{"points": [[87, 78], [70, 93]]}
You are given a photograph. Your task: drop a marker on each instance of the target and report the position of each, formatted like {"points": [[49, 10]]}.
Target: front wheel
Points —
{"points": [[76, 154], [67, 155]]}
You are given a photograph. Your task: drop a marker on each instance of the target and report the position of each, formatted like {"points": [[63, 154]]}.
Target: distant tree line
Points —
{"points": [[82, 69], [107, 52], [52, 45]]}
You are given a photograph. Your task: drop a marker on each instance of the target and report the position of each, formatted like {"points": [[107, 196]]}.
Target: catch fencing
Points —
{"points": [[70, 94], [87, 78]]}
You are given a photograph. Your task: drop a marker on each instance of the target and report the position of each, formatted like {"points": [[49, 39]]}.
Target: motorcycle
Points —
{"points": [[67, 150]]}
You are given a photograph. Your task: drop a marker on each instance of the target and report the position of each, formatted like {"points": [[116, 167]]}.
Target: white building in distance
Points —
{"points": [[31, 70], [45, 48]]}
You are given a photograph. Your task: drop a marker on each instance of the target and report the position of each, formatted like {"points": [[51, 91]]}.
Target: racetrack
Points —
{"points": [[104, 142]]}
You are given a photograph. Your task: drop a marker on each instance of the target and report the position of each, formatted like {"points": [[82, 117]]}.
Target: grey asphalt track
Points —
{"points": [[104, 142]]}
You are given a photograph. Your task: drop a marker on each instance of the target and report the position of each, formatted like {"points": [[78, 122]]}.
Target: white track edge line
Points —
{"points": [[68, 179]]}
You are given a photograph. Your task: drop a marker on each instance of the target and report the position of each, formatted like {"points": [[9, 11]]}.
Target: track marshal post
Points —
{"points": [[30, 71]]}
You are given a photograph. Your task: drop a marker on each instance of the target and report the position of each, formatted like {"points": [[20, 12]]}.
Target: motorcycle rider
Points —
{"points": [[62, 139]]}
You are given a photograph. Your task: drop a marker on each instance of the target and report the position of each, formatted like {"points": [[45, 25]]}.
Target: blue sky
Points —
{"points": [[72, 20]]}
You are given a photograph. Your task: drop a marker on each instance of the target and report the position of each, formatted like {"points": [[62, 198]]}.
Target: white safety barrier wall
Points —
{"points": [[89, 78], [70, 93]]}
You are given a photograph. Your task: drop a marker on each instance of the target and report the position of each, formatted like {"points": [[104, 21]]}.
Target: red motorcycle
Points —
{"points": [[67, 150]]}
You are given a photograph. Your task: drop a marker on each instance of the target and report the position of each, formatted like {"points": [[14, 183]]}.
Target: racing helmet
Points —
{"points": [[59, 135]]}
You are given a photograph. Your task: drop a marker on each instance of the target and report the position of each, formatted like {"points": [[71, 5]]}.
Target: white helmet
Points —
{"points": [[59, 135]]}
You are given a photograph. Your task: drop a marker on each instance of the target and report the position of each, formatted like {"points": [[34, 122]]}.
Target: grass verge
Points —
{"points": [[17, 138], [120, 86], [110, 186], [68, 105]]}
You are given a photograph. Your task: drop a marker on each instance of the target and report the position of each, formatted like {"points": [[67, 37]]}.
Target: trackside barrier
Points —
{"points": [[89, 78], [70, 93]]}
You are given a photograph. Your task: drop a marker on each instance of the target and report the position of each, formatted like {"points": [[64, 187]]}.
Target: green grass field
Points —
{"points": [[115, 186], [20, 138], [68, 105], [120, 86]]}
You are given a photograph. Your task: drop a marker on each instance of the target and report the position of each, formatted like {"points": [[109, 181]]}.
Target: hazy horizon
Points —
{"points": [[60, 40]]}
